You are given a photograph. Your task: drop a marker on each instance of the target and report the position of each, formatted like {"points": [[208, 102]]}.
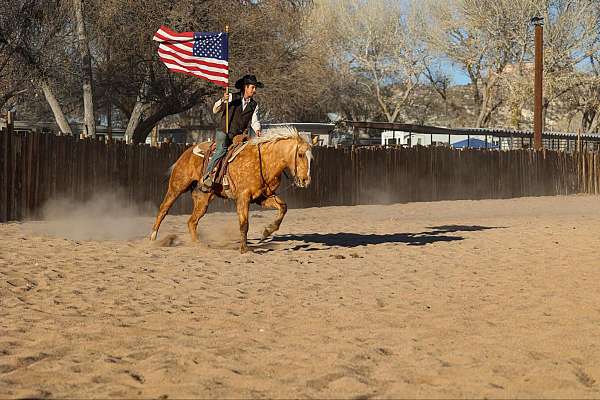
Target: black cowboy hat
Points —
{"points": [[248, 80]]}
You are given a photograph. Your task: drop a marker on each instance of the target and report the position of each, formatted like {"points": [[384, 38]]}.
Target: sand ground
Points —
{"points": [[495, 298]]}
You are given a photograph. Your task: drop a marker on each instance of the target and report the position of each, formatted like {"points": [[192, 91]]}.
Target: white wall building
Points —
{"points": [[401, 138], [408, 139]]}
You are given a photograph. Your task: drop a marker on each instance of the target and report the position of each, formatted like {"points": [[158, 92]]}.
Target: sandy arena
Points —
{"points": [[495, 298]]}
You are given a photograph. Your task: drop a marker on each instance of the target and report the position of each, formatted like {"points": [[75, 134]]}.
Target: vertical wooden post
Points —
{"points": [[154, 136], [10, 122], [109, 119], [109, 102], [5, 137], [538, 84], [10, 167]]}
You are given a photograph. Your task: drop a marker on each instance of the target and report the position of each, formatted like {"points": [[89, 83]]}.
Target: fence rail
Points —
{"points": [[36, 167]]}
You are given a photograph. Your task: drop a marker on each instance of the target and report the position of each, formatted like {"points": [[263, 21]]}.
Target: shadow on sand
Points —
{"points": [[345, 239]]}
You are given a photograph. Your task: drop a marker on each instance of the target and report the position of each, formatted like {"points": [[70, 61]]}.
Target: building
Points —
{"points": [[406, 139], [411, 139]]}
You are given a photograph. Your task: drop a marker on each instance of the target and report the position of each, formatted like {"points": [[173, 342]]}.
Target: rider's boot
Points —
{"points": [[207, 184]]}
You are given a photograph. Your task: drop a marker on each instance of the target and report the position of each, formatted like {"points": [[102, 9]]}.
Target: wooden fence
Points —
{"points": [[36, 167]]}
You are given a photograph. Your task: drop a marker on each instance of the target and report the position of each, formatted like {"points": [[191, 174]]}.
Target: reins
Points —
{"points": [[262, 177], [295, 170]]}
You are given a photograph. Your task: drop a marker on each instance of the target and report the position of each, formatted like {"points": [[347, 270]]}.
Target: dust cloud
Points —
{"points": [[222, 236], [104, 217]]}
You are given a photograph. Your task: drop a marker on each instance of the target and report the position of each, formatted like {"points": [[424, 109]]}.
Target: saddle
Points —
{"points": [[218, 174]]}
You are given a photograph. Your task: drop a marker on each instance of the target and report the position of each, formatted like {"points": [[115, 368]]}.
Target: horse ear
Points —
{"points": [[315, 140]]}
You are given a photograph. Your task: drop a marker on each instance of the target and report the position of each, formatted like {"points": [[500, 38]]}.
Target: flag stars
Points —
{"points": [[210, 45]]}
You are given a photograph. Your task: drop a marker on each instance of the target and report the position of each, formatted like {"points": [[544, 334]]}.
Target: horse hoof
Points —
{"points": [[245, 249], [153, 235]]}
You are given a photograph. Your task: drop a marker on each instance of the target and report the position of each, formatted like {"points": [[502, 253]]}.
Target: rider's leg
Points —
{"points": [[222, 144]]}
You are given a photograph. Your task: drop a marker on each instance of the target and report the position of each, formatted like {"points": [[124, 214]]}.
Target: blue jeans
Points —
{"points": [[223, 143]]}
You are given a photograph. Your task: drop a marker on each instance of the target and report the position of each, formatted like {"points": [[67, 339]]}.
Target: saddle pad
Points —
{"points": [[237, 151], [198, 151]]}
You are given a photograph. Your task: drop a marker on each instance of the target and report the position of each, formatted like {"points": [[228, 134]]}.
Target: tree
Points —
{"points": [[570, 38], [281, 50], [374, 44], [570, 74], [584, 98], [264, 39], [482, 37], [86, 66], [28, 43], [131, 85]]}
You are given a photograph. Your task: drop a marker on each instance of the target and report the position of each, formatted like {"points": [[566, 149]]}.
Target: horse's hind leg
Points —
{"points": [[277, 203], [172, 194], [201, 202], [242, 205]]}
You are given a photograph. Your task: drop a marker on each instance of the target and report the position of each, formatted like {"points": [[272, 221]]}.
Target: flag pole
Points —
{"points": [[227, 88]]}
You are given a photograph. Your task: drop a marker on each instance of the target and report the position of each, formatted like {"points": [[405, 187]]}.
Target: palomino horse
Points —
{"points": [[254, 176]]}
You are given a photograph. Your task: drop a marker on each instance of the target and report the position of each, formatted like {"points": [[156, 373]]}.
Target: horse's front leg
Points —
{"points": [[243, 206], [277, 203]]}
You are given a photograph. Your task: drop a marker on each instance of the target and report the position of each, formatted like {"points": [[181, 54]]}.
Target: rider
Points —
{"points": [[243, 111]]}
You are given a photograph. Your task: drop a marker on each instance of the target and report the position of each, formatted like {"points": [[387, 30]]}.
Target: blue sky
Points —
{"points": [[458, 76]]}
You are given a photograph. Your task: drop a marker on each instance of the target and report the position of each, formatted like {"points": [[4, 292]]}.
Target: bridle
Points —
{"points": [[271, 192], [295, 167]]}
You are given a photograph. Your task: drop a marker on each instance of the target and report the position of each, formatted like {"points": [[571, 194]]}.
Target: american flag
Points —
{"points": [[201, 54]]}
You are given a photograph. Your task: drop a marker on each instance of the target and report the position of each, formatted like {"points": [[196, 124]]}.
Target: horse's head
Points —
{"points": [[300, 165], [292, 149]]}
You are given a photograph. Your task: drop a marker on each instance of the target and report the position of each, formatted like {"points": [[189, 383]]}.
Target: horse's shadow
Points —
{"points": [[347, 239]]}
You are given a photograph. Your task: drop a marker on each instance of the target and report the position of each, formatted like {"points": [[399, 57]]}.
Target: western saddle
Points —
{"points": [[219, 172]]}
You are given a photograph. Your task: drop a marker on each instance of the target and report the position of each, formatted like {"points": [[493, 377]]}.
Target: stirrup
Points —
{"points": [[206, 185]]}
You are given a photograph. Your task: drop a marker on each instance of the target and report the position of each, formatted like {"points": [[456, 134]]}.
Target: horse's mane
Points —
{"points": [[277, 133]]}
